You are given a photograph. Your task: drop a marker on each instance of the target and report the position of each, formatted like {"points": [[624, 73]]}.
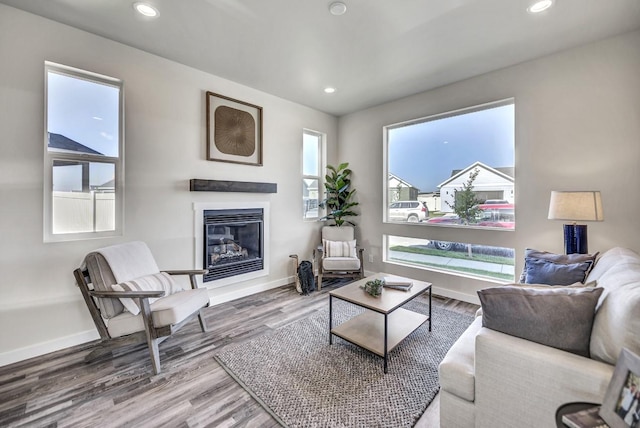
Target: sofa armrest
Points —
{"points": [[522, 383]]}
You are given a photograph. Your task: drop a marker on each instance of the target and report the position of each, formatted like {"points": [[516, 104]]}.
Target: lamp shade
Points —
{"points": [[576, 206]]}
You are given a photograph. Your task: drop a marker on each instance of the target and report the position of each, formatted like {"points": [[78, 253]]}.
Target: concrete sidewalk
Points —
{"points": [[451, 262]]}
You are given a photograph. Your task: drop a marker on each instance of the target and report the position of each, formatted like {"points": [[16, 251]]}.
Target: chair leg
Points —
{"points": [[152, 340], [319, 281], [155, 355], [203, 323]]}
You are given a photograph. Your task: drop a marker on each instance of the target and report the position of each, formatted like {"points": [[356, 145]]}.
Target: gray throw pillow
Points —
{"points": [[530, 253], [558, 317], [539, 271]]}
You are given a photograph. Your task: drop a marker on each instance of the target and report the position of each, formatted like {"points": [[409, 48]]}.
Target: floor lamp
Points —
{"points": [[575, 206]]}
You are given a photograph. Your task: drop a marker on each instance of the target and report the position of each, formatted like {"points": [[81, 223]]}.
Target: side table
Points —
{"points": [[569, 408]]}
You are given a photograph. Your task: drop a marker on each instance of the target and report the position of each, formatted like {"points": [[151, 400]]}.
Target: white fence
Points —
{"points": [[75, 212]]}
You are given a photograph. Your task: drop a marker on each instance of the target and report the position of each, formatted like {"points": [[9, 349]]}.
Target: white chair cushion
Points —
{"points": [[160, 281], [165, 311], [340, 264], [339, 248]]}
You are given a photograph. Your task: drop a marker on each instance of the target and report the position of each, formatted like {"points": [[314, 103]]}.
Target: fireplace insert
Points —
{"points": [[233, 241]]}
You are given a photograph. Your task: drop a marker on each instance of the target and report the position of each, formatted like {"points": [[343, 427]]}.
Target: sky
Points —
{"points": [[424, 154], [86, 112]]}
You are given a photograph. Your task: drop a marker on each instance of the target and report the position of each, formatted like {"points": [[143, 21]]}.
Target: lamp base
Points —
{"points": [[575, 239]]}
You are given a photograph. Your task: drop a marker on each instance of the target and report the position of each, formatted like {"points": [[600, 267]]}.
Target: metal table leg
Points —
{"points": [[386, 353], [330, 319]]}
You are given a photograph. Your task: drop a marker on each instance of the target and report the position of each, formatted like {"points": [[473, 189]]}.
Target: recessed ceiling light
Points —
{"points": [[146, 9], [540, 6], [337, 8], [329, 90]]}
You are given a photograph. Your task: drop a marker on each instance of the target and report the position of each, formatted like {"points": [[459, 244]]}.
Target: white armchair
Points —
{"points": [[132, 301], [339, 256]]}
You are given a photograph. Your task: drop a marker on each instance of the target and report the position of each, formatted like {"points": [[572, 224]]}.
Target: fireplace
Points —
{"points": [[233, 242]]}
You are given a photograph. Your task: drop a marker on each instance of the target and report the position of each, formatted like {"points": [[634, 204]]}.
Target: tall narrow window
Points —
{"points": [[311, 167], [83, 156]]}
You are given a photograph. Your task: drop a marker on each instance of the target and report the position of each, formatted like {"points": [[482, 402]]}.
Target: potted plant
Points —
{"points": [[339, 194]]}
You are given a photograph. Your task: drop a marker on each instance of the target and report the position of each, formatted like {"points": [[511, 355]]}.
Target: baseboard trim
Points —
{"points": [[43, 348], [445, 292], [218, 296]]}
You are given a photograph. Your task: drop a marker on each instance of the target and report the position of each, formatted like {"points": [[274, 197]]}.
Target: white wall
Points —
{"points": [[577, 128], [40, 306]]}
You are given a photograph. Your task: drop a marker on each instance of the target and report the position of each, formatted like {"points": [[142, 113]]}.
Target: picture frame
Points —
{"points": [[234, 130], [625, 375]]}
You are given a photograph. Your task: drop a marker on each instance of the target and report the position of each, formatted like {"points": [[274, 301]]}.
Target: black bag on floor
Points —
{"points": [[307, 279]]}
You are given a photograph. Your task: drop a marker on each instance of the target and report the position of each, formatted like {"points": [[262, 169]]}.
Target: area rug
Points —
{"points": [[304, 382]]}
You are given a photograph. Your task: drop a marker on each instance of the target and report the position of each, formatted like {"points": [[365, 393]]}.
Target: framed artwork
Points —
{"points": [[621, 407], [234, 130]]}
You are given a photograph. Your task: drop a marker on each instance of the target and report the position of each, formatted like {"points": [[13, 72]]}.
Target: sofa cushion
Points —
{"points": [[457, 369], [167, 310], [540, 271], [557, 317], [160, 281], [531, 253]]}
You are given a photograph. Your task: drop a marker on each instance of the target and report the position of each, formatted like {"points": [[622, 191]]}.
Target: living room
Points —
{"points": [[577, 128]]}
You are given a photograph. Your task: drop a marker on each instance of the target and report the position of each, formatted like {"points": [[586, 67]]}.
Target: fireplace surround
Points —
{"points": [[231, 241]]}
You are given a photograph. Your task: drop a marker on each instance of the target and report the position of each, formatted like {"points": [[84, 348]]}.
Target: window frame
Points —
{"points": [[425, 119], [321, 167], [51, 156], [472, 235]]}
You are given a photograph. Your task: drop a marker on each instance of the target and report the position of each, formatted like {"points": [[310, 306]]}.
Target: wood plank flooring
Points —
{"points": [[60, 389]]}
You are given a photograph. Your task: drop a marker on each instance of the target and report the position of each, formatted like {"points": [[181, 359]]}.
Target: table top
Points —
{"points": [[388, 301]]}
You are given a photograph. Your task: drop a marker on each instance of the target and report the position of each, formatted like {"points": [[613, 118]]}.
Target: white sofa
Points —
{"points": [[491, 379]]}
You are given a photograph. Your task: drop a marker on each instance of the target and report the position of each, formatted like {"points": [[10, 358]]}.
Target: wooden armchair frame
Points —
{"points": [[152, 335]]}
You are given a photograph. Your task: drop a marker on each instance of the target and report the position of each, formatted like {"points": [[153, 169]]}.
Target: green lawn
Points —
{"points": [[479, 272], [454, 254]]}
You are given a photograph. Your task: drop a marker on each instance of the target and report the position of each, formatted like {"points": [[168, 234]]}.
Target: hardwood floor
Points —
{"points": [[60, 389]]}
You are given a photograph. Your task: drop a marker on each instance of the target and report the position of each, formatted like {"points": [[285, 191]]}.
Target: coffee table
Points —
{"points": [[385, 324]]}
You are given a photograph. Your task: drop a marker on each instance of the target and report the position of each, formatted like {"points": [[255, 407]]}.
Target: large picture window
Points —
{"points": [[83, 154], [459, 166], [453, 170]]}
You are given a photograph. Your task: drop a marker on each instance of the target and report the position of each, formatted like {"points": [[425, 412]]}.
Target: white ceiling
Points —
{"points": [[379, 51]]}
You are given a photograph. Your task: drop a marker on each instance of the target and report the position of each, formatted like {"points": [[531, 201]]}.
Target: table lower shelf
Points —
{"points": [[367, 329]]}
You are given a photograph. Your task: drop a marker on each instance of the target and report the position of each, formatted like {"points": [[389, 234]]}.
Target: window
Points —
{"points": [[481, 261], [312, 149], [83, 155], [458, 170], [454, 163]]}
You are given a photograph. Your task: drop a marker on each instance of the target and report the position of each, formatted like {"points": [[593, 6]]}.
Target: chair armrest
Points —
{"points": [[192, 275], [127, 294], [187, 272]]}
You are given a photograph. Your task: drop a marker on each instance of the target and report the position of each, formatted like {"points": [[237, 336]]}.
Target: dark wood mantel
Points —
{"points": [[198, 185]]}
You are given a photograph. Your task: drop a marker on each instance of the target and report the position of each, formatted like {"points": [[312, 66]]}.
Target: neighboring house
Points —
{"points": [[401, 190], [64, 175], [491, 183], [60, 143]]}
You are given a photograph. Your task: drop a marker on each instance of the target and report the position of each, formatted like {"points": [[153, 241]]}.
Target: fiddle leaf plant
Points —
{"points": [[339, 195]]}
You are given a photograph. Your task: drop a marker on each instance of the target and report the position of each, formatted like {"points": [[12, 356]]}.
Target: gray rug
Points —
{"points": [[304, 382]]}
